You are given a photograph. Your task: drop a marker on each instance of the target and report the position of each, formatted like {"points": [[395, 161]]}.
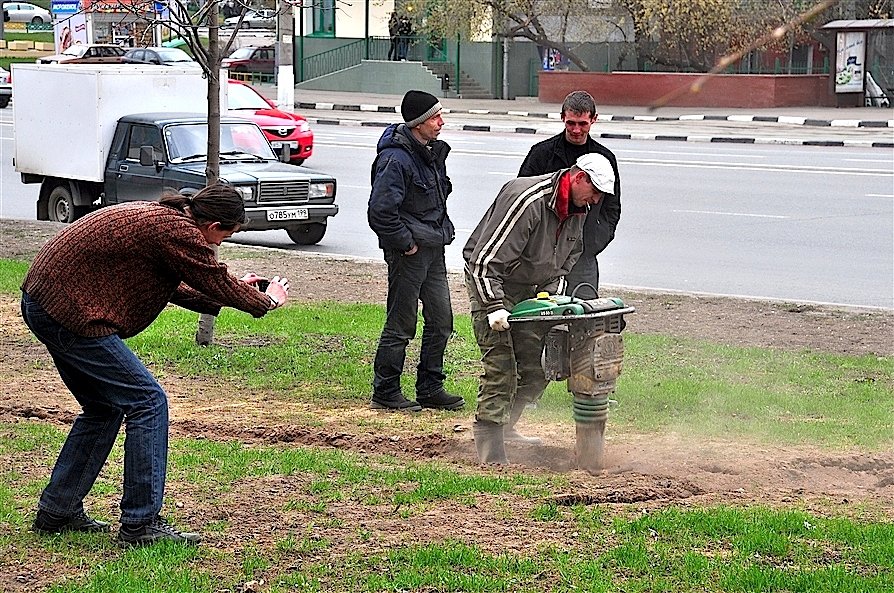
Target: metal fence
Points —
{"points": [[419, 49]]}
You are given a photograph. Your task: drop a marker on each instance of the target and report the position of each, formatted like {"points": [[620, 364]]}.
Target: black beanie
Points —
{"points": [[418, 106]]}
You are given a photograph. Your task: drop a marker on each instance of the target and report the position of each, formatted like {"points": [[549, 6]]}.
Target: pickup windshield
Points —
{"points": [[239, 141]]}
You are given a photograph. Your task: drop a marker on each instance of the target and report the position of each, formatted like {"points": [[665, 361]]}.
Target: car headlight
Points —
{"points": [[303, 126], [247, 193], [321, 190]]}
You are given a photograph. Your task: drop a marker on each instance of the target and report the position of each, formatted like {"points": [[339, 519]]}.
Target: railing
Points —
{"points": [[419, 49], [252, 77], [334, 60]]}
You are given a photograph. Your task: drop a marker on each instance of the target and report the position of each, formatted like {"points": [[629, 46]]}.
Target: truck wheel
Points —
{"points": [[307, 234], [298, 162], [60, 206]]}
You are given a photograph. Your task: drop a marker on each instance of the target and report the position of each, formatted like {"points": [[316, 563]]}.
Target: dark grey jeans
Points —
{"points": [[411, 279]]}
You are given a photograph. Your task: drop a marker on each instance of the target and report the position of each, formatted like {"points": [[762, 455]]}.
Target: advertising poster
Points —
{"points": [[849, 60], [70, 31]]}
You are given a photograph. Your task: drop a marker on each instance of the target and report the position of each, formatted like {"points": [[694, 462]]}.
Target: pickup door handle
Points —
{"points": [[123, 168]]}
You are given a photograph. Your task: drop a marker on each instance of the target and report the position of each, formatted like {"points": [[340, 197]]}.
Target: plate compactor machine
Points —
{"points": [[582, 344]]}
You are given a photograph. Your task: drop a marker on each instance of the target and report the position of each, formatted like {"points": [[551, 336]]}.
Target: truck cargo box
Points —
{"points": [[65, 116]]}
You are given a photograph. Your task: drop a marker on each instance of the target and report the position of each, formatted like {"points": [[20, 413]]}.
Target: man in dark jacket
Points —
{"points": [[560, 152], [408, 212]]}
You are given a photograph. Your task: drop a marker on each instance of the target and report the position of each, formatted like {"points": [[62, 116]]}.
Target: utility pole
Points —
{"points": [[285, 69]]}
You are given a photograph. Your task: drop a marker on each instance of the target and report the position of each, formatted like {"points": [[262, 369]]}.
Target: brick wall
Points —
{"points": [[724, 90]]}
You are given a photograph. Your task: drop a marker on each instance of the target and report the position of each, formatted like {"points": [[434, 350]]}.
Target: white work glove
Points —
{"points": [[498, 320], [278, 291]]}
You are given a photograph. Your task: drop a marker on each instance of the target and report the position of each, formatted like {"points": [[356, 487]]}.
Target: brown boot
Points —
{"points": [[489, 442], [510, 433]]}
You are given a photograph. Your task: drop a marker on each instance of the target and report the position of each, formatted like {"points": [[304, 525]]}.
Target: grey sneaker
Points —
{"points": [[156, 530], [48, 524]]}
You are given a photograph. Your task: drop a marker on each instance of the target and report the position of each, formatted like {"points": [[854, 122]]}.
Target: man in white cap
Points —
{"points": [[528, 240], [408, 212]]}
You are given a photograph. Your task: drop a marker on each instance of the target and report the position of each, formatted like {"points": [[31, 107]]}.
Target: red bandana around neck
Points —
{"points": [[563, 196]]}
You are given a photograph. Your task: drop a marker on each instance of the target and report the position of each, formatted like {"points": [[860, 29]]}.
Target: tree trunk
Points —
{"points": [[205, 330]]}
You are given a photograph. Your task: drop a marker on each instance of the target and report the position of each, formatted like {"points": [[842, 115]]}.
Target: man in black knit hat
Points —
{"points": [[408, 212]]}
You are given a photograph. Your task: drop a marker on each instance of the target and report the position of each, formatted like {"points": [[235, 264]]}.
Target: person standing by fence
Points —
{"points": [[393, 32], [405, 31]]}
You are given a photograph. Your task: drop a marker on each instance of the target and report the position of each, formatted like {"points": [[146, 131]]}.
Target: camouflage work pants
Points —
{"points": [[511, 361]]}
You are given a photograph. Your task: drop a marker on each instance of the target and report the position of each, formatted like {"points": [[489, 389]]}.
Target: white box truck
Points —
{"points": [[95, 135]]}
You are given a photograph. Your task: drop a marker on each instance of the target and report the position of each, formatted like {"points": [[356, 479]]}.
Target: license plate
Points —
{"points": [[290, 143], [287, 214]]}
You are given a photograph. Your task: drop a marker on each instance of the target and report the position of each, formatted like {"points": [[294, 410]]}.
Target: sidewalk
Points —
{"points": [[815, 126], [530, 107]]}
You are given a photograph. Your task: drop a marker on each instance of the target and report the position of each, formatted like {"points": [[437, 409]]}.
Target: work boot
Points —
{"points": [[48, 524], [394, 403], [510, 433], [441, 400], [489, 442], [155, 531]]}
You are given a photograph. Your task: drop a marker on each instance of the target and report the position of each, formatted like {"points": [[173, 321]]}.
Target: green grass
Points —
{"points": [[319, 355], [325, 351], [12, 273], [594, 548]]}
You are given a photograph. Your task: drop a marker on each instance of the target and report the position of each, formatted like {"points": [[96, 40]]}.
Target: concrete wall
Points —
{"points": [[350, 19], [723, 90], [378, 77]]}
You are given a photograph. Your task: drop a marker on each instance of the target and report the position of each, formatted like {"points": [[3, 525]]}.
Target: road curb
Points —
{"points": [[782, 119], [608, 135]]}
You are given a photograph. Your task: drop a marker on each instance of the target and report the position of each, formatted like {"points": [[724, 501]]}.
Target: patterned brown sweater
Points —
{"points": [[113, 272]]}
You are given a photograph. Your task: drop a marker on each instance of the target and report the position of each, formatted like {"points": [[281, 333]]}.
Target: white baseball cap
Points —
{"points": [[600, 171]]}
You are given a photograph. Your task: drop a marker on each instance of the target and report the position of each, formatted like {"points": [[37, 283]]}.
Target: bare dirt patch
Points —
{"points": [[645, 470]]}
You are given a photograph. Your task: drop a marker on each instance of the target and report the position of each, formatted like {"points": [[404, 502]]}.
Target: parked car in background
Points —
{"points": [[5, 88], [97, 53], [24, 12], [258, 19], [282, 129], [251, 59], [165, 56]]}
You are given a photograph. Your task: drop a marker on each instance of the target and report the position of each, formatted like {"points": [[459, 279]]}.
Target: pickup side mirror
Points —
{"points": [[147, 156], [286, 154]]}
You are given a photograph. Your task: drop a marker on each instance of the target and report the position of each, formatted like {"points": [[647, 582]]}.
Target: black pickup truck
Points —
{"points": [[151, 152]]}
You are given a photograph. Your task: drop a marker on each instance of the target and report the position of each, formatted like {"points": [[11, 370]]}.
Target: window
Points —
{"points": [[144, 136], [324, 18]]}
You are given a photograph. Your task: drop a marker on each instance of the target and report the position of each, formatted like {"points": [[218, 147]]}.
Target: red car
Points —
{"points": [[281, 127], [251, 59]]}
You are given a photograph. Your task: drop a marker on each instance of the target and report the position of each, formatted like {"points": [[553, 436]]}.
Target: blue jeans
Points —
{"points": [[112, 386], [413, 278]]}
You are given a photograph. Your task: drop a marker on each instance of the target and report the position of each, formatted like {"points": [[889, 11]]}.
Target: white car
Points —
{"points": [[23, 12], [261, 19]]}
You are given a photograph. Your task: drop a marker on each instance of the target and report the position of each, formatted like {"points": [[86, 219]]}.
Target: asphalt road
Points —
{"points": [[796, 223]]}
